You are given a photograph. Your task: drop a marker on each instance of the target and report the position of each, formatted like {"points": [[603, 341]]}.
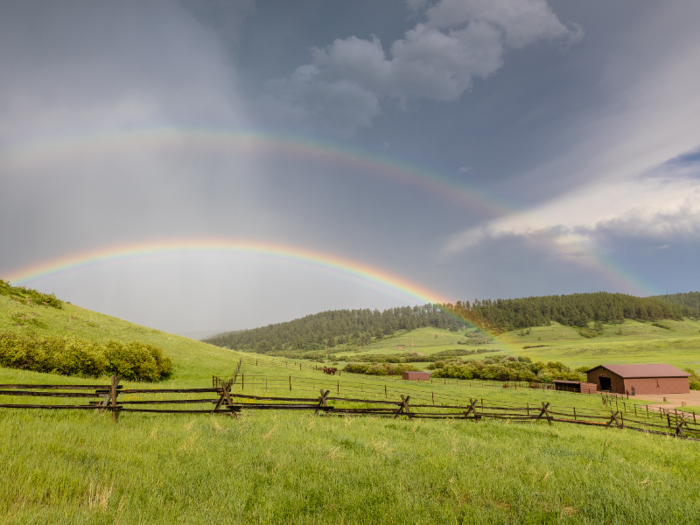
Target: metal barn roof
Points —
{"points": [[631, 371]]}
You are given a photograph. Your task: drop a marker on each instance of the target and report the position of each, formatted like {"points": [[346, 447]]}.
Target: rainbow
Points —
{"points": [[341, 267], [18, 157]]}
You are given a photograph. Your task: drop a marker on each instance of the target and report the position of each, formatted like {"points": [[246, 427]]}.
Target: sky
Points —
{"points": [[208, 165]]}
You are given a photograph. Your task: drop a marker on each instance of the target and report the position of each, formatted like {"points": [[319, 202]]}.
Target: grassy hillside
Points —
{"points": [[194, 361]]}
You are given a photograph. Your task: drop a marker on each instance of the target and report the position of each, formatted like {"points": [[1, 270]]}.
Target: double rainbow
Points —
{"points": [[14, 159]]}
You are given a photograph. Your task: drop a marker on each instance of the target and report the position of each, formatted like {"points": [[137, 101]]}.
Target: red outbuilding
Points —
{"points": [[415, 376], [639, 379], [575, 386]]}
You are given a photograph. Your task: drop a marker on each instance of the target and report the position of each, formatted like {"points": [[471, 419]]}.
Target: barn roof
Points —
{"points": [[630, 371]]}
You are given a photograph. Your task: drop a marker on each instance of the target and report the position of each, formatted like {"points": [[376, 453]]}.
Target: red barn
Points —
{"points": [[640, 379]]}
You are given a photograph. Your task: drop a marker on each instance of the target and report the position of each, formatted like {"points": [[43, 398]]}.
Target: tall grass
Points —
{"points": [[292, 468]]}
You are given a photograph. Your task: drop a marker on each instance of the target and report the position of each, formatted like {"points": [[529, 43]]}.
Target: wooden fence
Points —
{"points": [[221, 399]]}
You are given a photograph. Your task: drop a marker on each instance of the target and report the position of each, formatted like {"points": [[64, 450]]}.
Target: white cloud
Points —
{"points": [[522, 22], [436, 60], [664, 247], [655, 208]]}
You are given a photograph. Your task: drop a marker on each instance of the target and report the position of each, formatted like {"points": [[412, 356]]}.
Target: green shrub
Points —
{"points": [[585, 332], [506, 368], [378, 369], [135, 361], [29, 295], [30, 319], [659, 325], [694, 379]]}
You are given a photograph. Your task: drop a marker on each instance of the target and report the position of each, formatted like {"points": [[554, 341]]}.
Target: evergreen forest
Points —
{"points": [[356, 328]]}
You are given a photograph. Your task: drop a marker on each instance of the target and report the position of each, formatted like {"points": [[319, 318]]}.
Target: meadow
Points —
{"points": [[275, 467], [629, 342]]}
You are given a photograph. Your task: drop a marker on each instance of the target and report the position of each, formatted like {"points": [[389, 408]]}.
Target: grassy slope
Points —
{"points": [[194, 360], [639, 343], [289, 467]]}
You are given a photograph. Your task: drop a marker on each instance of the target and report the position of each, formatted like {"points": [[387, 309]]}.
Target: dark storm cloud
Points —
{"points": [[437, 60]]}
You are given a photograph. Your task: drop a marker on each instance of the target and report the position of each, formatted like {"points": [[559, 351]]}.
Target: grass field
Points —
{"points": [[639, 343], [78, 467], [287, 468]]}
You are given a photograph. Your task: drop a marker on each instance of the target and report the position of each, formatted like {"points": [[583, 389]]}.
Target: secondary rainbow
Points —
{"points": [[15, 158]]}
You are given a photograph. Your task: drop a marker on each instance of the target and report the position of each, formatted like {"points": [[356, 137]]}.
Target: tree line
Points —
{"points": [[688, 303], [337, 327], [355, 328], [577, 310]]}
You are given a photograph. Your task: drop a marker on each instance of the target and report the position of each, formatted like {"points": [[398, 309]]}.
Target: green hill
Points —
{"points": [[578, 318], [194, 361]]}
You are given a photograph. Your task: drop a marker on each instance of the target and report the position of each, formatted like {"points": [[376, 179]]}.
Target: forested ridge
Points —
{"points": [[354, 328], [579, 310], [336, 327], [689, 303]]}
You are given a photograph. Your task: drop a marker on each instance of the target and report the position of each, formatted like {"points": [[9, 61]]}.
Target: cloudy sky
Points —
{"points": [[470, 148]]}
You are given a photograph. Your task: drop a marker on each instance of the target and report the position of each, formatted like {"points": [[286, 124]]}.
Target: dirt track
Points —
{"points": [[674, 400]]}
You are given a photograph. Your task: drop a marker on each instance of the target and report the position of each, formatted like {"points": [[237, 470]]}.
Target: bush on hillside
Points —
{"points": [[379, 369], [506, 368], [134, 361], [694, 379], [415, 357], [137, 361], [29, 295]]}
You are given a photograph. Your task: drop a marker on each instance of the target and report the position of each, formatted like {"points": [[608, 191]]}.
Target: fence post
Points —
{"points": [[113, 393], [290, 383], [338, 387], [242, 382], [574, 413]]}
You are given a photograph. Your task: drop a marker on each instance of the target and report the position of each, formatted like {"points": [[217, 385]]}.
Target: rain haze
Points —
{"points": [[201, 166]]}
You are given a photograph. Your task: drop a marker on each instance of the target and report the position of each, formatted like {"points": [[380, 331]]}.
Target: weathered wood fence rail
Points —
{"points": [[221, 400]]}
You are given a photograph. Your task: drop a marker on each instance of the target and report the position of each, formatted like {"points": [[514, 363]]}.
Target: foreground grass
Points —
{"points": [[293, 468]]}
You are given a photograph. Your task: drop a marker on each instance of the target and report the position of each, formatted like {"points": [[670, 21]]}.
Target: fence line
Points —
{"points": [[225, 401]]}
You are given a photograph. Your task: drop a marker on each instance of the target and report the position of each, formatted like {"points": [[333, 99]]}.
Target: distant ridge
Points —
{"points": [[325, 330]]}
